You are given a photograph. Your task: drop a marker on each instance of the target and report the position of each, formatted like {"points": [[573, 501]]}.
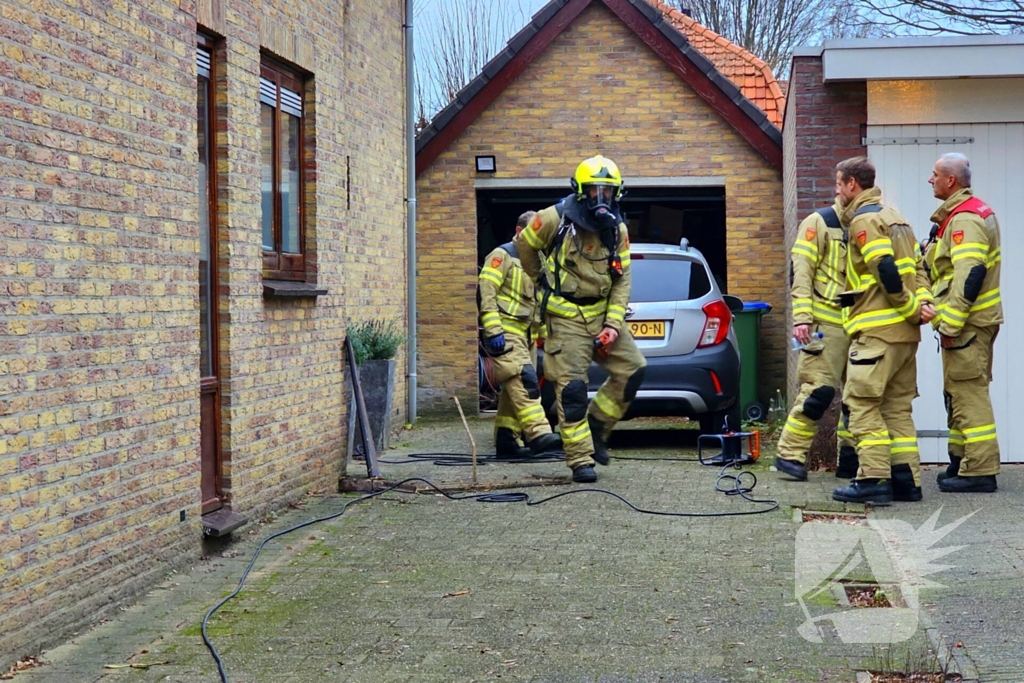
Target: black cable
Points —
{"points": [[511, 497], [465, 459]]}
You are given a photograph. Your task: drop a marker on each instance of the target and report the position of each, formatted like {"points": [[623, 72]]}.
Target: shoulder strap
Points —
{"points": [[511, 248], [972, 205], [868, 208], [829, 215]]}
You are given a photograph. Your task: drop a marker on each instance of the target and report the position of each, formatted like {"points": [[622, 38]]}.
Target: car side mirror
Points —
{"points": [[733, 302]]}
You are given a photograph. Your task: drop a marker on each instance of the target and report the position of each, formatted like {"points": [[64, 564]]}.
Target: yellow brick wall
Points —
{"points": [[597, 88], [99, 317]]}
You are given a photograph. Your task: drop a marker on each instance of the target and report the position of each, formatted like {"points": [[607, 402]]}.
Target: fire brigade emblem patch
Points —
{"points": [[958, 236], [495, 262], [862, 237], [537, 222], [810, 234]]}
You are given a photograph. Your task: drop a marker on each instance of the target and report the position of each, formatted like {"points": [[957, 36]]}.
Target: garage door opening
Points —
{"points": [[662, 215]]}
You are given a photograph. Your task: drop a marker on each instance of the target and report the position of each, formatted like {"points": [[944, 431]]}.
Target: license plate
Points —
{"points": [[647, 329]]}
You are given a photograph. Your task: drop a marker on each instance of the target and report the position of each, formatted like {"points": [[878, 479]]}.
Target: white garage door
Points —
{"points": [[904, 155]]}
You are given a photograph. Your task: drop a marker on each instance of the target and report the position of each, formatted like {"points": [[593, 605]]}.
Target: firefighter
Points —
{"points": [[507, 312], [963, 261], [885, 303], [582, 246], [818, 276]]}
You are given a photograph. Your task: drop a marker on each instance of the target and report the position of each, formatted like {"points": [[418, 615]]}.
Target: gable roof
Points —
{"points": [[654, 28], [751, 75]]}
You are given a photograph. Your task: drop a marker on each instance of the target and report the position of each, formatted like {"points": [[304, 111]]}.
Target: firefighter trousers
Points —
{"points": [[568, 352], [966, 374], [519, 407], [881, 385], [820, 372]]}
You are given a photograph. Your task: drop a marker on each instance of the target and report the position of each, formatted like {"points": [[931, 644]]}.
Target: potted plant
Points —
{"points": [[375, 343]]}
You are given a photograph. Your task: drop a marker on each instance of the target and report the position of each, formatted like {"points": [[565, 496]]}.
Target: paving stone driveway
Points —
{"points": [[421, 588]]}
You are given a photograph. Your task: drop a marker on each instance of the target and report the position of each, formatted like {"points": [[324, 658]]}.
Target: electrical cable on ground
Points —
{"points": [[738, 488]]}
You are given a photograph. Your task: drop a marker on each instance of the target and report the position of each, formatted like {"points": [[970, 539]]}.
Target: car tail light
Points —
{"points": [[716, 327]]}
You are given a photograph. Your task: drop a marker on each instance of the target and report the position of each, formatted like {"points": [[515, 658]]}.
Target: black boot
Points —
{"points": [[903, 488], [874, 491], [545, 443], [584, 474], [983, 484], [847, 466], [952, 469], [792, 468], [506, 447], [597, 428]]}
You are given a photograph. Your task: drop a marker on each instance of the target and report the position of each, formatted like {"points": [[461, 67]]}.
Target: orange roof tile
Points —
{"points": [[752, 76]]}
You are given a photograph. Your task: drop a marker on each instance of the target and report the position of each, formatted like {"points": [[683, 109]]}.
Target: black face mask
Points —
{"points": [[604, 218]]}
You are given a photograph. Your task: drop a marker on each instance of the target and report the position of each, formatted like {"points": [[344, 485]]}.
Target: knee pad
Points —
{"points": [[530, 381], [818, 402], [633, 384], [575, 401]]}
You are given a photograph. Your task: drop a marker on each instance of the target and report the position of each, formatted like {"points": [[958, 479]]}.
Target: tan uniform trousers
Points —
{"points": [[966, 374], [881, 385], [822, 364], [568, 352], [517, 409]]}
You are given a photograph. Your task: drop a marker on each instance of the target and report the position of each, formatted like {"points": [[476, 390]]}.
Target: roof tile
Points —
{"points": [[751, 75]]}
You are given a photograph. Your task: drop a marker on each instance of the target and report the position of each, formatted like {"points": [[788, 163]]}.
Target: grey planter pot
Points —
{"points": [[377, 379]]}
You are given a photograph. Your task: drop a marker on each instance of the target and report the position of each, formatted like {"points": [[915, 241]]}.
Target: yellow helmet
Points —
{"points": [[597, 170]]}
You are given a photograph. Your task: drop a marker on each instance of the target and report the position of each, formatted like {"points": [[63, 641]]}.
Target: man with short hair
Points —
{"points": [[962, 258], [884, 307], [818, 275], [508, 307]]}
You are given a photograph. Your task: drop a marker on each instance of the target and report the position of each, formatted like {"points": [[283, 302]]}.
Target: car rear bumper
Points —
{"points": [[683, 385]]}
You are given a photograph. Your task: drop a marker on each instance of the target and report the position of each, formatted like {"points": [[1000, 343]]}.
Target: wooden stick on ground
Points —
{"points": [[471, 440]]}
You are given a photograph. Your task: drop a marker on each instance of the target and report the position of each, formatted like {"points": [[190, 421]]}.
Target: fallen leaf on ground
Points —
{"points": [[455, 594]]}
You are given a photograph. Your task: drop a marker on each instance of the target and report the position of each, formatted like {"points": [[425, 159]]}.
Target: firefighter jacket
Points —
{"points": [[507, 297], [586, 273], [819, 268], [886, 282], [963, 262]]}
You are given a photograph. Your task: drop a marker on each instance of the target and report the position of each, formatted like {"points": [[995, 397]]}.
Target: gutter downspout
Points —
{"points": [[410, 207]]}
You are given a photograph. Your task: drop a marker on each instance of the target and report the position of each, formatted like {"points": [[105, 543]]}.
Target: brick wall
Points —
{"points": [[822, 126], [569, 104], [99, 321]]}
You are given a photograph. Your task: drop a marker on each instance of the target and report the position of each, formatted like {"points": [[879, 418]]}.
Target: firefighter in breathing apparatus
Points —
{"points": [[508, 305], [886, 301], [818, 275], [963, 258], [582, 246]]}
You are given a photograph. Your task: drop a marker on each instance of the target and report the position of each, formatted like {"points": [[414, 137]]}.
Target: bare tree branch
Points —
{"points": [[771, 29], [457, 38], [966, 17]]}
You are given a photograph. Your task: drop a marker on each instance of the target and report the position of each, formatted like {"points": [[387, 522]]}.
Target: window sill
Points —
{"points": [[283, 289]]}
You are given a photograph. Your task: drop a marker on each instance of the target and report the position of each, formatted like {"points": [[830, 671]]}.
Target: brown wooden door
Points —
{"points": [[209, 389]]}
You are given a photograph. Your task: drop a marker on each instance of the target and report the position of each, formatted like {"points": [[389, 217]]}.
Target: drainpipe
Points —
{"points": [[410, 207]]}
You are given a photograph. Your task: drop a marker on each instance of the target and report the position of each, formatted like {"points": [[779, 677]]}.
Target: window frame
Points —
{"points": [[278, 265], [207, 44]]}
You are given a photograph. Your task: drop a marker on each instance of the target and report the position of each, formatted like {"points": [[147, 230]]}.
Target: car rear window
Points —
{"points": [[667, 278]]}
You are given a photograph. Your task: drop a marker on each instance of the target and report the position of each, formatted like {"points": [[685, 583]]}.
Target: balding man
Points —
{"points": [[962, 258]]}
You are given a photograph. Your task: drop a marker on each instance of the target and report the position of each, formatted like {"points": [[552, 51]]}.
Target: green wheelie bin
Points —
{"points": [[748, 334]]}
